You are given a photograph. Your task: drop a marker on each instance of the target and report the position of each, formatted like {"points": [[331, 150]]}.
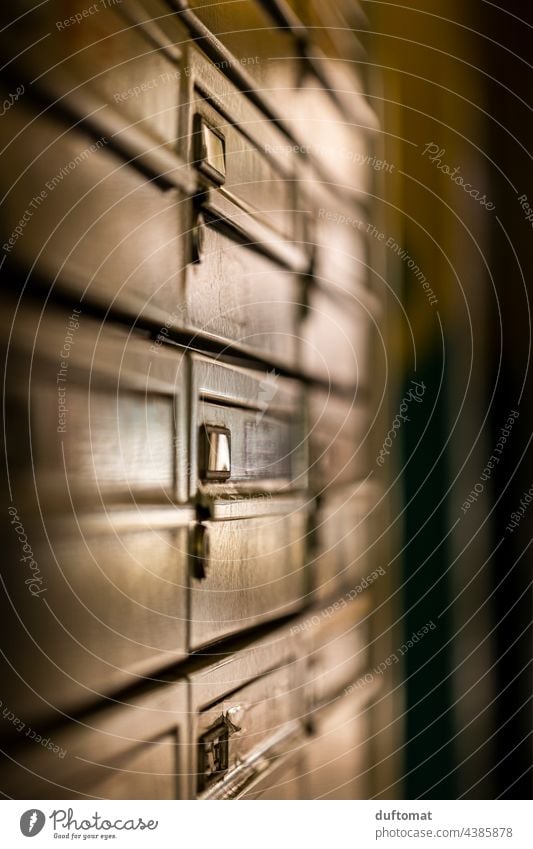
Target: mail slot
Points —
{"points": [[252, 569], [246, 157], [271, 48], [136, 749], [104, 407], [236, 292], [245, 717], [101, 606], [258, 414], [270, 55]]}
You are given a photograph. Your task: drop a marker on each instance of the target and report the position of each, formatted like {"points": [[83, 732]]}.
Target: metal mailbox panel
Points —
{"points": [[101, 604], [285, 781], [341, 252], [342, 555], [337, 758], [254, 572], [245, 712], [262, 413], [119, 54], [338, 431], [338, 141], [137, 750], [237, 293], [269, 54], [97, 414], [75, 194], [274, 56], [245, 170], [245, 167], [336, 638], [336, 339]]}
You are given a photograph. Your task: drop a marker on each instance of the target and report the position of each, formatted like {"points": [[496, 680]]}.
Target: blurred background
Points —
{"points": [[453, 82]]}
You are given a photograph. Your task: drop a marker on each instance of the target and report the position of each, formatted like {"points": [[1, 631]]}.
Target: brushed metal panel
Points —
{"points": [[134, 750], [104, 410], [237, 293], [116, 53], [334, 26], [320, 102], [263, 413], [89, 196], [284, 781], [270, 55], [132, 448], [341, 260], [254, 178], [337, 641], [255, 712], [254, 690], [342, 555], [338, 434], [255, 572], [339, 142], [337, 758], [336, 339], [107, 607]]}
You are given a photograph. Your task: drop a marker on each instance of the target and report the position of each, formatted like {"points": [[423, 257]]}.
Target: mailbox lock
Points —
{"points": [[213, 751], [199, 551]]}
